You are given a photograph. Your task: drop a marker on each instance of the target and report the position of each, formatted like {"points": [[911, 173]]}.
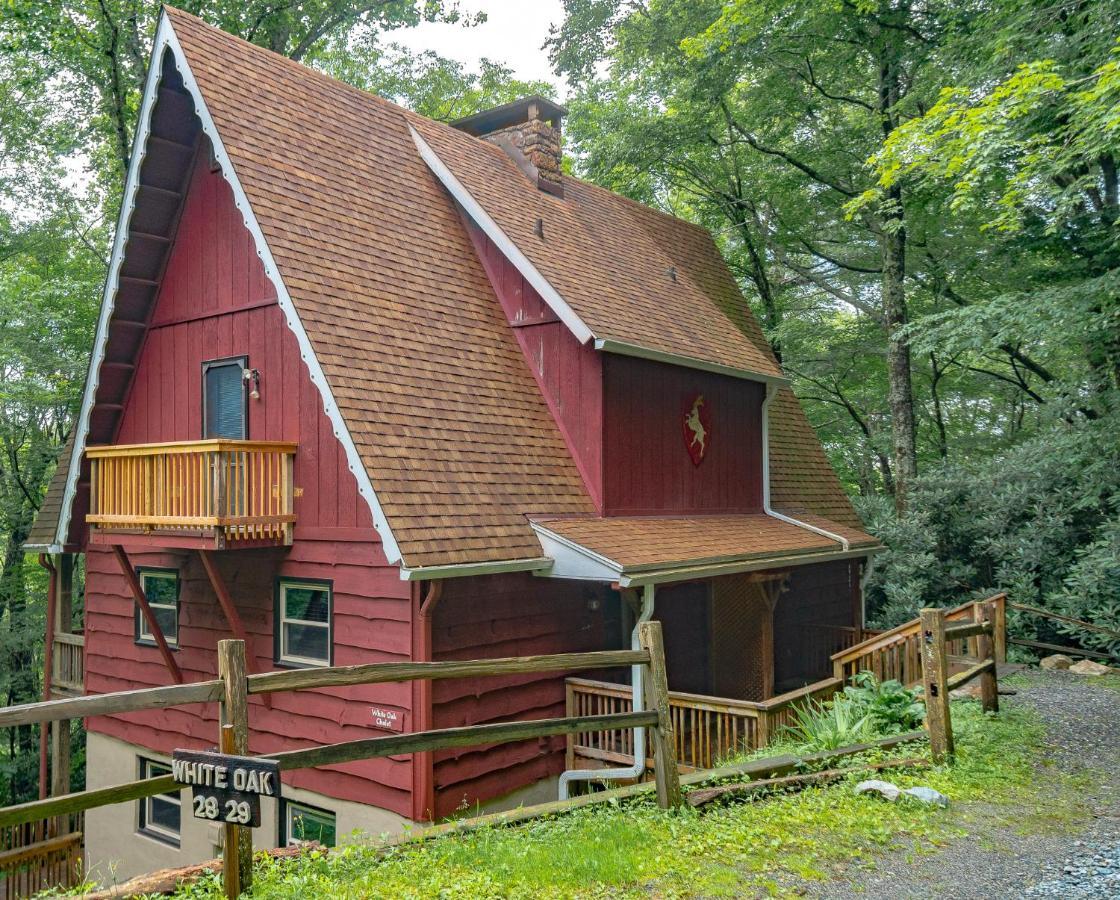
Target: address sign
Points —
{"points": [[226, 788]]}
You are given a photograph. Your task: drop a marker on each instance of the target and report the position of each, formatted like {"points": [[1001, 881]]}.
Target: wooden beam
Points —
{"points": [[1080, 623], [968, 630], [934, 671], [142, 601], [985, 649], [963, 678], [380, 673], [235, 740], [230, 609], [109, 704]]}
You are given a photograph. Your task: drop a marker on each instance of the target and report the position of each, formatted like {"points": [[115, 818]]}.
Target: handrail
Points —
{"points": [[67, 637], [213, 444]]}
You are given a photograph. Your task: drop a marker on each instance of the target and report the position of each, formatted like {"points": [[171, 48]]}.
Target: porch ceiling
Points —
{"points": [[641, 550]]}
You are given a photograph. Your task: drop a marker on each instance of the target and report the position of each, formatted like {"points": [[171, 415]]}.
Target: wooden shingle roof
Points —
{"points": [[442, 409]]}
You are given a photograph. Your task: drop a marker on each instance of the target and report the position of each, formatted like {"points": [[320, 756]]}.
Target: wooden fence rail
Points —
{"points": [[234, 686]]}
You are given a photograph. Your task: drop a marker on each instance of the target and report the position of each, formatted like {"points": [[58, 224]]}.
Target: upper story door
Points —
{"points": [[225, 412]]}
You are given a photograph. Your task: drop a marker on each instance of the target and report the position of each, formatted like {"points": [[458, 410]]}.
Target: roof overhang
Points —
{"points": [[623, 348], [575, 561], [538, 565]]}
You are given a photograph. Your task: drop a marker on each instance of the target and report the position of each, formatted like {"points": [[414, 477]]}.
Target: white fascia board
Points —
{"points": [[166, 40], [570, 560], [624, 348], [462, 570], [474, 209], [665, 576]]}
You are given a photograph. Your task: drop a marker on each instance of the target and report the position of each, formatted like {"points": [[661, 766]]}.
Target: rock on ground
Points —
{"points": [[1056, 661], [1088, 667]]}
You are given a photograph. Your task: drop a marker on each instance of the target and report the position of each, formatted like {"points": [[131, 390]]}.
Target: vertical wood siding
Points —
{"points": [[215, 302], [570, 374], [646, 466]]}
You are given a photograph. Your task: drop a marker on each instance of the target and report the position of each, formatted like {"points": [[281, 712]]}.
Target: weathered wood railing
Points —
{"points": [[38, 855], [706, 729], [69, 662], [241, 489], [234, 687], [897, 654]]}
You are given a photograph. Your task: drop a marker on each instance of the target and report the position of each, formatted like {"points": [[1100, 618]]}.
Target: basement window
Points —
{"points": [[300, 823], [303, 633], [159, 815], [161, 588]]}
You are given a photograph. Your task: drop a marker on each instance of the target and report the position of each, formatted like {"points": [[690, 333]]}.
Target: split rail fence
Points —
{"points": [[234, 686]]}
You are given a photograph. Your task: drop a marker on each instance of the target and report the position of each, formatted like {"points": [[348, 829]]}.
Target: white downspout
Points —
{"points": [[771, 392], [637, 680]]}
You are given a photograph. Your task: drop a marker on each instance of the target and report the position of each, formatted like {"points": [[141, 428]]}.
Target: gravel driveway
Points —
{"points": [[995, 861]]}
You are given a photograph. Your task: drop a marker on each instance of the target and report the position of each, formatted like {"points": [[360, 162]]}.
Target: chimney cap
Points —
{"points": [[515, 113]]}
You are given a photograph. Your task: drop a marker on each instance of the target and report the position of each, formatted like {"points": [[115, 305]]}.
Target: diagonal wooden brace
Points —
{"points": [[149, 617], [226, 601]]}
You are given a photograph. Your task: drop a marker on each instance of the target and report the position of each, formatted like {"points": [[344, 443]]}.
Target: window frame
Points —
{"points": [[243, 363], [278, 620], [144, 825], [283, 826], [139, 623]]}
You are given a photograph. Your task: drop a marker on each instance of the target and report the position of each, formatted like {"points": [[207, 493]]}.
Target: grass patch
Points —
{"points": [[758, 848]]}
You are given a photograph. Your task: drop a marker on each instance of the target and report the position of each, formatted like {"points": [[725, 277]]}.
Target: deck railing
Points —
{"points": [[69, 662], [705, 729], [36, 856], [242, 490], [897, 653]]}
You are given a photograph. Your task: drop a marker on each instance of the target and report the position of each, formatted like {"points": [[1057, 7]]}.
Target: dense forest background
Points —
{"points": [[920, 201]]}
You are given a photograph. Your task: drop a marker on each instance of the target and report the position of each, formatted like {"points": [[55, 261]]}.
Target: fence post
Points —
{"points": [[935, 667], [989, 689], [657, 700], [999, 628], [235, 713], [231, 839]]}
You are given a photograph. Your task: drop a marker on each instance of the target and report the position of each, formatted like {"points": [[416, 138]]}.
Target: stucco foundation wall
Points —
{"points": [[116, 850]]}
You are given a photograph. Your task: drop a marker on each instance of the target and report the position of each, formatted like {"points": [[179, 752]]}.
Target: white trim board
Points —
{"points": [[166, 40], [556, 303]]}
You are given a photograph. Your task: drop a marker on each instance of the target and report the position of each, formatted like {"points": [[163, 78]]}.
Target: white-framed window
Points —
{"points": [[161, 588], [159, 816], [303, 633], [300, 823]]}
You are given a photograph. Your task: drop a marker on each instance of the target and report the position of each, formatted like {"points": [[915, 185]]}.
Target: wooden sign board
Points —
{"points": [[387, 718], [226, 788]]}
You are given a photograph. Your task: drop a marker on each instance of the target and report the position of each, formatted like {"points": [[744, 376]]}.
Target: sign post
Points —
{"points": [[228, 789]]}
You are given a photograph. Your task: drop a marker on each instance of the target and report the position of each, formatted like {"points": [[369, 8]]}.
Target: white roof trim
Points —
{"points": [[166, 40], [624, 348], [556, 303], [460, 570]]}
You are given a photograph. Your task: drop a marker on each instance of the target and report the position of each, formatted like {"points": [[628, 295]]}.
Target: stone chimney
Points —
{"points": [[528, 130]]}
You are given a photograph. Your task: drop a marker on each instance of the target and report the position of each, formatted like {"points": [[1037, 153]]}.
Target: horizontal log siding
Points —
{"points": [[506, 615]]}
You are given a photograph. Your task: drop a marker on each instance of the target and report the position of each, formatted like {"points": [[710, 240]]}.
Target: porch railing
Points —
{"points": [[243, 490], [897, 653], [706, 729], [36, 856], [69, 662]]}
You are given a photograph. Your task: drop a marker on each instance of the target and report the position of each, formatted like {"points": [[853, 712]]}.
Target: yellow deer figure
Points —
{"points": [[692, 423]]}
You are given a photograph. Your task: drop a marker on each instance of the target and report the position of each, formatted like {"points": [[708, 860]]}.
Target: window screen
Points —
{"points": [[224, 408]]}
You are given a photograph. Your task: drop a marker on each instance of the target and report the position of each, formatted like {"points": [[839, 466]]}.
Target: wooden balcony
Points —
{"points": [[210, 494], [68, 678]]}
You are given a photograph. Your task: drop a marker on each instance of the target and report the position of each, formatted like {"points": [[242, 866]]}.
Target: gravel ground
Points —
{"points": [[996, 861]]}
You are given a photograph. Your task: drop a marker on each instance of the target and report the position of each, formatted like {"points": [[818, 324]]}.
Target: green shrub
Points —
{"points": [[892, 707], [835, 723]]}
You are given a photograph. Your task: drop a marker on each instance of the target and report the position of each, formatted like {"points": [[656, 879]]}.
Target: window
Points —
{"points": [[224, 409], [159, 815], [300, 823], [303, 623], [161, 587]]}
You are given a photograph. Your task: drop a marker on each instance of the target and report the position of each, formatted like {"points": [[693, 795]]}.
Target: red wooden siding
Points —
{"points": [[509, 615], [570, 374], [216, 302], [646, 466]]}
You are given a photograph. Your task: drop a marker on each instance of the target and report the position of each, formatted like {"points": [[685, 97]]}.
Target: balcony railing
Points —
{"points": [[68, 678], [237, 491]]}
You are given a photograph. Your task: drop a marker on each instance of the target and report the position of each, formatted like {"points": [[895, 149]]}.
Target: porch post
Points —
{"points": [[142, 601], [60, 730]]}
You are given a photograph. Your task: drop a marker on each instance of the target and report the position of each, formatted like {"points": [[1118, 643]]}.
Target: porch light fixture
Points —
{"points": [[254, 377]]}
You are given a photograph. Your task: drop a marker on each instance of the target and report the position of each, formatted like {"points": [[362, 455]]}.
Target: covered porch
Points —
{"points": [[752, 608]]}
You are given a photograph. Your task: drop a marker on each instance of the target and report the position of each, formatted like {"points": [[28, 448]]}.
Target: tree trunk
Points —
{"points": [[900, 397]]}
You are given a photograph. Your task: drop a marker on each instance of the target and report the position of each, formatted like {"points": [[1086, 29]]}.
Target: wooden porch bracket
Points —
{"points": [[149, 617], [230, 610]]}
